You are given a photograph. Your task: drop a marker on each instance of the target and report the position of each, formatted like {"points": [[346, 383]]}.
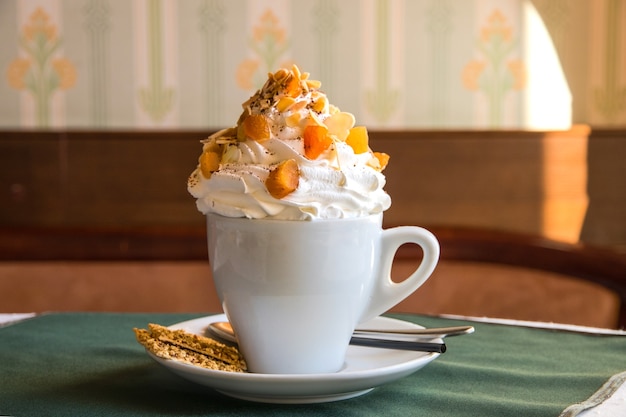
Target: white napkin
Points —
{"points": [[609, 400], [12, 318], [539, 325]]}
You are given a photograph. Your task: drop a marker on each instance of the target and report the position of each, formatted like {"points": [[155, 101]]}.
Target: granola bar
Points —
{"points": [[190, 348]]}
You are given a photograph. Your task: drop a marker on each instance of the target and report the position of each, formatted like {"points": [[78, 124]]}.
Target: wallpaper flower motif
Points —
{"points": [[383, 100], [494, 75], [41, 72], [610, 98], [269, 43], [156, 98]]}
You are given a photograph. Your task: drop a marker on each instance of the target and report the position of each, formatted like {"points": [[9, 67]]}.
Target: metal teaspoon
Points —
{"points": [[433, 332], [224, 330]]}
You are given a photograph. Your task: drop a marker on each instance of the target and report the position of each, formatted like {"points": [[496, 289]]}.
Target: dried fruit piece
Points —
{"points": [[283, 179], [314, 119], [293, 120], [320, 104], [284, 103], [339, 125], [296, 72], [231, 153], [316, 141], [241, 136], [209, 163], [298, 106], [281, 74], [225, 136], [383, 158], [358, 139], [256, 127], [211, 145], [245, 113], [379, 161], [313, 84], [292, 87]]}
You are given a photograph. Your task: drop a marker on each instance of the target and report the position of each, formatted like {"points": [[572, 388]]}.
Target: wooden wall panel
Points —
{"points": [[101, 179], [605, 221], [491, 179], [475, 181]]}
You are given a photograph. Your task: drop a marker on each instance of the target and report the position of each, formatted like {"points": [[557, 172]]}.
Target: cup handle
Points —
{"points": [[385, 293]]}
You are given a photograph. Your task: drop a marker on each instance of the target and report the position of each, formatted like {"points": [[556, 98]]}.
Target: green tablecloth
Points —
{"points": [[89, 364]]}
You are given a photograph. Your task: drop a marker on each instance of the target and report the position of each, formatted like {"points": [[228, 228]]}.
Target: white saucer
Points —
{"points": [[365, 369]]}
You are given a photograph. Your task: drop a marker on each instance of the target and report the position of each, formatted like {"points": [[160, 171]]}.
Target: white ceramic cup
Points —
{"points": [[294, 291]]}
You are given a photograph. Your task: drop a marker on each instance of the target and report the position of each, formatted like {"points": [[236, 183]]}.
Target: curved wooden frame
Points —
{"points": [[594, 264], [599, 265]]}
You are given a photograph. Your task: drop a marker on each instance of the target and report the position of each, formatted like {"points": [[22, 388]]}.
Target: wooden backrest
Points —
{"points": [[592, 264]]}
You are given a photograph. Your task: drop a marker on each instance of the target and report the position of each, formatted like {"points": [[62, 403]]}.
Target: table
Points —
{"points": [[89, 364]]}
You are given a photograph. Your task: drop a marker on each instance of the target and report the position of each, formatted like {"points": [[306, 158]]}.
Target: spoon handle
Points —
{"points": [[399, 344]]}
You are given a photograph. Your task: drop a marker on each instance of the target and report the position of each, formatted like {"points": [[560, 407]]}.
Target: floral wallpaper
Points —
{"points": [[40, 71], [494, 74], [426, 64], [268, 46]]}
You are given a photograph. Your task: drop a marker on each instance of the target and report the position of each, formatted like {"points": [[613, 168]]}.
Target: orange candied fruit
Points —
{"points": [[209, 163], [256, 127], [358, 139], [292, 88], [283, 179], [383, 159], [316, 141]]}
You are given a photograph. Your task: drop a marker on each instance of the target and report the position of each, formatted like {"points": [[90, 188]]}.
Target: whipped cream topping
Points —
{"points": [[231, 178]]}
